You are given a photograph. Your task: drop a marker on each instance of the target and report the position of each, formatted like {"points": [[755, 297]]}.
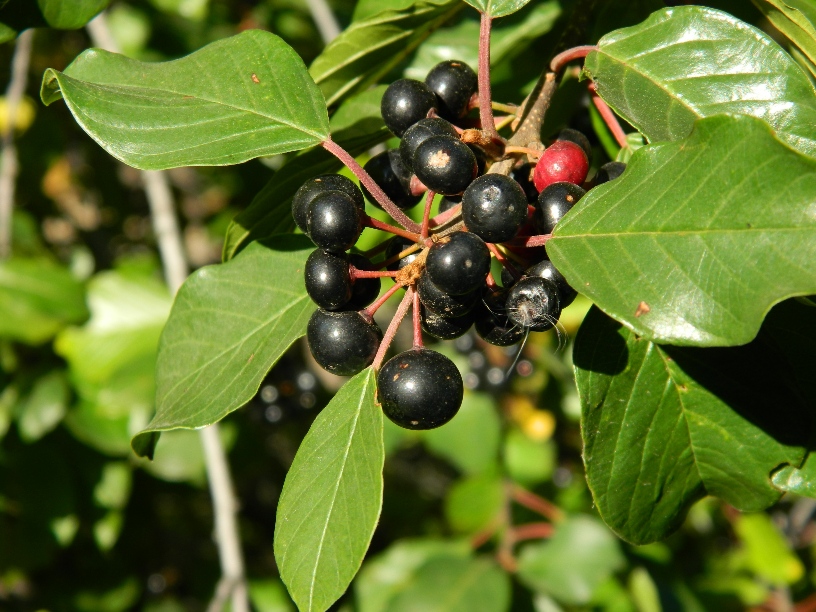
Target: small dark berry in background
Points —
{"points": [[562, 161], [494, 207], [444, 164], [393, 177], [442, 303], [343, 343], [555, 202], [523, 175], [454, 84], [396, 246], [327, 279], [321, 184], [533, 303], [460, 264], [445, 328], [419, 133], [405, 102], [492, 323], [333, 221], [448, 202], [546, 270], [420, 389], [609, 172], [363, 290], [578, 138]]}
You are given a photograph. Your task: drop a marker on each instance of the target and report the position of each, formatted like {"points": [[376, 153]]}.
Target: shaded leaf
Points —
{"points": [[474, 503], [229, 324], [765, 550], [257, 99], [70, 14], [528, 461], [497, 8], [332, 497], [697, 239], [688, 62], [664, 426], [796, 19]]}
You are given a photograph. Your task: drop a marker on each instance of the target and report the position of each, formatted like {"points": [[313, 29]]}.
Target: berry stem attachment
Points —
{"points": [[491, 282], [381, 300], [357, 273], [387, 227], [416, 320], [563, 58], [485, 96], [608, 117], [388, 337], [373, 188], [533, 502], [426, 217], [503, 260]]}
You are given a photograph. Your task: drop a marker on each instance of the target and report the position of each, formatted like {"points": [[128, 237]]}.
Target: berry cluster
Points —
{"points": [[445, 263]]}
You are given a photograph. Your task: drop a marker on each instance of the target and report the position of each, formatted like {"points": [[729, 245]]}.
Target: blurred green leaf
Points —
{"points": [[195, 10], [471, 440], [644, 591], [796, 19], [107, 529], [179, 456], [43, 408], [229, 324], [664, 426], [688, 62], [497, 8], [113, 489], [669, 261], [116, 600], [569, 566], [394, 570], [269, 596], [528, 461], [70, 14], [37, 299], [259, 101], [767, 554], [332, 497], [474, 503]]}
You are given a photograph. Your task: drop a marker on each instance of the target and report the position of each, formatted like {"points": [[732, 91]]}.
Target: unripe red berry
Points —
{"points": [[563, 161]]}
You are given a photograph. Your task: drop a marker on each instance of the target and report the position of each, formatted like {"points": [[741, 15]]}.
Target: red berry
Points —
{"points": [[563, 161]]}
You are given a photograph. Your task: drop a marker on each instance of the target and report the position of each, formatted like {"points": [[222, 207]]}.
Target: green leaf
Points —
{"points": [[455, 585], [688, 62], [474, 503], [113, 489], [801, 480], [664, 426], [665, 249], [528, 461], [37, 299], [356, 126], [497, 8], [332, 497], [229, 324], [766, 552], [42, 410], [370, 47], [796, 19], [569, 566], [236, 99], [70, 14]]}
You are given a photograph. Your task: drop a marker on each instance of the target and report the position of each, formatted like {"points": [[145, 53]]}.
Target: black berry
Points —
{"points": [[396, 246], [320, 184], [459, 264], [523, 175], [555, 202], [445, 304], [333, 221], [546, 270], [393, 177], [533, 303], [328, 282], [578, 138], [419, 133], [445, 328], [343, 343], [609, 172], [449, 202], [404, 103], [444, 164], [420, 389], [454, 84], [494, 207], [363, 290], [492, 323]]}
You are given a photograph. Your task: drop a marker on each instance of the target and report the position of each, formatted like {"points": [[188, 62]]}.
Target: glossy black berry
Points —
{"points": [[328, 282], [454, 84], [343, 343], [333, 221], [396, 246], [523, 175], [555, 202], [449, 202], [578, 138], [320, 184], [609, 172], [393, 177], [533, 303], [445, 328], [419, 133], [420, 389], [546, 270], [460, 264], [445, 164], [404, 103], [363, 290], [494, 207], [492, 323], [442, 303]]}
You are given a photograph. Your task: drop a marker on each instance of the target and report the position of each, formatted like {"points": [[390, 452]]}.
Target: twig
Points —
{"points": [[324, 19], [8, 158], [563, 58], [485, 95], [232, 584]]}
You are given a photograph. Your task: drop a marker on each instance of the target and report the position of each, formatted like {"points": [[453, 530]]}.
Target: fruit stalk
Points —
{"points": [[416, 320], [563, 58], [485, 95], [381, 300], [426, 217], [387, 227], [388, 337], [608, 117]]}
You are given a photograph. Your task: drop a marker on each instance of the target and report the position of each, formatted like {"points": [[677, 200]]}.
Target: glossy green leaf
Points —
{"points": [[70, 14], [664, 426], [43, 408], [229, 324], [801, 480], [37, 299], [697, 239], [372, 46], [332, 497], [573, 562], [356, 126], [455, 585], [474, 503], [257, 99], [688, 62], [497, 8], [796, 19]]}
